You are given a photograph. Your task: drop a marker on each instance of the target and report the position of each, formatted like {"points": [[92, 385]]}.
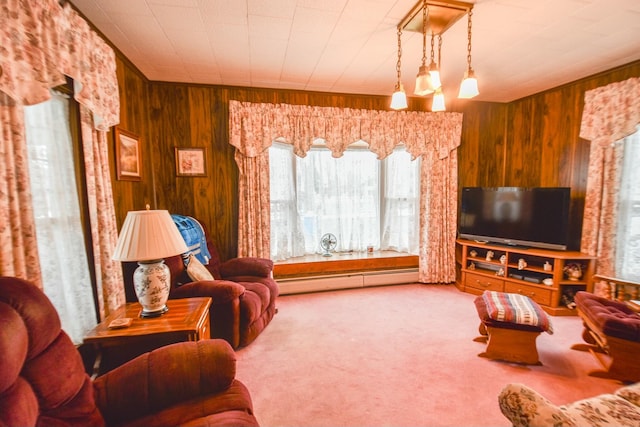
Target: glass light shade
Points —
{"points": [[469, 85], [438, 101], [435, 78], [423, 82], [399, 98]]}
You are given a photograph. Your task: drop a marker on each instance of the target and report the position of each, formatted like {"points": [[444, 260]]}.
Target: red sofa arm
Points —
{"points": [[220, 291], [163, 378], [247, 266]]}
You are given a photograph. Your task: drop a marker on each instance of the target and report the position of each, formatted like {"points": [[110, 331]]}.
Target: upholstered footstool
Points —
{"points": [[510, 324]]}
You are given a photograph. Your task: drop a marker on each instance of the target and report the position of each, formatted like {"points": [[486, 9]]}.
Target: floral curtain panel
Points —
{"points": [[41, 42], [254, 126], [610, 113], [17, 225]]}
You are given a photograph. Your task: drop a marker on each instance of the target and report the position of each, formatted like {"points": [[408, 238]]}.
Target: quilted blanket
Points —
{"points": [[516, 308]]}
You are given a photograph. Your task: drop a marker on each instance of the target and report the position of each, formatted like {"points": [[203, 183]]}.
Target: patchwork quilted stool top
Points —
{"points": [[512, 311]]}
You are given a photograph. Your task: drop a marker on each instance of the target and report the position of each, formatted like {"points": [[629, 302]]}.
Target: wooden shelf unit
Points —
{"points": [[475, 273]]}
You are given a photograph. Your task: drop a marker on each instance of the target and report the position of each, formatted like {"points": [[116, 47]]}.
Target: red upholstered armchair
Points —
{"points": [[43, 381], [243, 293]]}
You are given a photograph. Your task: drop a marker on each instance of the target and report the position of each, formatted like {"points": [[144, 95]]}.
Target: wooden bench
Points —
{"points": [[510, 324]]}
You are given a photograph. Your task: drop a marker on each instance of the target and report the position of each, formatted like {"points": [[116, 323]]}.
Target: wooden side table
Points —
{"points": [[186, 320]]}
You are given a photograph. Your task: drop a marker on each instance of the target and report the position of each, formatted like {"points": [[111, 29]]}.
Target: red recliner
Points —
{"points": [[243, 294], [43, 381]]}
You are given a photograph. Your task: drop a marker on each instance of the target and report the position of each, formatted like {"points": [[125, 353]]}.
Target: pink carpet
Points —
{"points": [[398, 356]]}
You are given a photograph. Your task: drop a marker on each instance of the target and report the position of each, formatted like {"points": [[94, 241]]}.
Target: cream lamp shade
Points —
{"points": [[147, 237]]}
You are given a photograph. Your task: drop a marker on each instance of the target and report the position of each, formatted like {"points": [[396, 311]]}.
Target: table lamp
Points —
{"points": [[147, 237]]}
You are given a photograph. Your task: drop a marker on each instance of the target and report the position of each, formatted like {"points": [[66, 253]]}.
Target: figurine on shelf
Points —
{"points": [[489, 255], [473, 253], [503, 259], [573, 271], [471, 266], [500, 272], [547, 266], [521, 264]]}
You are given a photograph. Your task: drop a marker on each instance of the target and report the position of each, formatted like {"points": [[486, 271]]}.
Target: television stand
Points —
{"points": [[540, 275]]}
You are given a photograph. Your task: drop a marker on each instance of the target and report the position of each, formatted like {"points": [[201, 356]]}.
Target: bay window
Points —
{"points": [[363, 201]]}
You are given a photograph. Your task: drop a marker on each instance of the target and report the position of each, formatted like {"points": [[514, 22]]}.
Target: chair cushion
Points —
{"points": [[196, 270], [613, 318]]}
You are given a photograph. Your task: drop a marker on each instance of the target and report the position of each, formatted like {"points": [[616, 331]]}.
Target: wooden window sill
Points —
{"points": [[340, 263]]}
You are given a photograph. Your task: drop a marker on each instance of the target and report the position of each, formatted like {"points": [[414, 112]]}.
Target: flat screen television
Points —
{"points": [[518, 216]]}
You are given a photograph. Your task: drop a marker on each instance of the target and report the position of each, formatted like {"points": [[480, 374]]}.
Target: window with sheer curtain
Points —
{"points": [[61, 247], [363, 201], [627, 263]]}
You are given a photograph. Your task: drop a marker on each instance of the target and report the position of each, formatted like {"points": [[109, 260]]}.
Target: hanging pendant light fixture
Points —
{"points": [[434, 17], [469, 85], [399, 97], [423, 79]]}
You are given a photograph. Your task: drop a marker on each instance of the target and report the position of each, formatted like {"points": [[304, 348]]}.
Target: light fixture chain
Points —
{"points": [[469, 38], [433, 56], [439, 49], [424, 32], [399, 52]]}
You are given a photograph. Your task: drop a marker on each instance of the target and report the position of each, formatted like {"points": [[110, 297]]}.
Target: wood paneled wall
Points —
{"points": [[529, 142]]}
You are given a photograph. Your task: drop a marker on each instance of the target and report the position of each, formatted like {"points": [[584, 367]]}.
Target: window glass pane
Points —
{"points": [[286, 237], [401, 202], [628, 245]]}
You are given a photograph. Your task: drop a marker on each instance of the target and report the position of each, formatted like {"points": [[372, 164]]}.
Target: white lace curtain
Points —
{"points": [[64, 265], [362, 200]]}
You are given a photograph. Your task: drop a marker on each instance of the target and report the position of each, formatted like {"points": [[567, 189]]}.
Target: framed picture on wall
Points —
{"points": [[191, 161], [128, 159]]}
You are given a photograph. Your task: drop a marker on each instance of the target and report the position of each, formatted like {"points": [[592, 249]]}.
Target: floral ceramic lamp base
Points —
{"points": [[151, 282]]}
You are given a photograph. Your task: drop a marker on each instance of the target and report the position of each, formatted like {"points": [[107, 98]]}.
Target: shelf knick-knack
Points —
{"points": [[521, 264], [573, 271]]}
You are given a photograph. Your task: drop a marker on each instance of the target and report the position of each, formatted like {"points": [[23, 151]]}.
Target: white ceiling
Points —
{"points": [[519, 47]]}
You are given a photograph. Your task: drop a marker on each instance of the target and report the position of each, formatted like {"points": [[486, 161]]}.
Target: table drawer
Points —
{"points": [[483, 283], [541, 296]]}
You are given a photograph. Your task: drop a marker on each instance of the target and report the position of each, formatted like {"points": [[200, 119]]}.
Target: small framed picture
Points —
{"points": [[191, 162], [128, 159]]}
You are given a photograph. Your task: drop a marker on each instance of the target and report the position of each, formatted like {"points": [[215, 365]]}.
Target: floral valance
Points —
{"points": [[254, 126], [611, 112], [41, 42]]}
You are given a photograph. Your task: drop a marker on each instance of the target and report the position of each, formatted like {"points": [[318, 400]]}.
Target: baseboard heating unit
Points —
{"points": [[297, 285]]}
